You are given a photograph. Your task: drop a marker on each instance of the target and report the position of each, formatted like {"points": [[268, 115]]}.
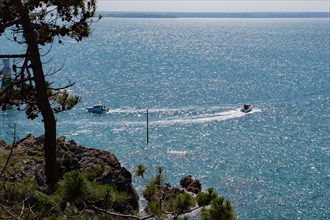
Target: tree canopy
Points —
{"points": [[52, 18], [51, 21], [35, 23]]}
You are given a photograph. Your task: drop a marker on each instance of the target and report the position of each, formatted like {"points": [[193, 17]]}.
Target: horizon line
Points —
{"points": [[212, 12]]}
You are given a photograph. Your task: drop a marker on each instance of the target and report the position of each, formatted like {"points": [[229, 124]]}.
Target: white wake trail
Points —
{"points": [[204, 118]]}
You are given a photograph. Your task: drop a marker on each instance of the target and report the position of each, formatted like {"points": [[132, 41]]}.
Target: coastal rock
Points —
{"points": [[100, 166], [164, 193], [186, 181], [3, 143], [40, 139], [72, 145], [28, 142], [195, 187], [191, 185]]}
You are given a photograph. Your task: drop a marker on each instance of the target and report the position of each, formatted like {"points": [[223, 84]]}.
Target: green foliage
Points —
{"points": [[106, 195], [160, 170], [140, 170], [46, 204], [159, 179], [26, 191], [218, 210], [150, 189], [65, 18], [64, 100], [154, 208], [164, 201], [18, 191], [51, 19], [229, 210], [204, 199], [153, 185], [12, 168], [95, 171], [183, 202], [74, 194], [61, 100], [74, 186]]}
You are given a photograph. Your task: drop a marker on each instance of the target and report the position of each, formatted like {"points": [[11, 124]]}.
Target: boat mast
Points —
{"points": [[147, 127]]}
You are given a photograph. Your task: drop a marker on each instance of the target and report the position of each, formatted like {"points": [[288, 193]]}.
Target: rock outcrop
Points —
{"points": [[100, 166], [191, 185]]}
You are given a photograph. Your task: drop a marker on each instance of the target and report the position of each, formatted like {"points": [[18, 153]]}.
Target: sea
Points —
{"points": [[193, 75]]}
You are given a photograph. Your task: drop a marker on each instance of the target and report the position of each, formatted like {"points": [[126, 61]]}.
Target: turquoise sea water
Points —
{"points": [[193, 75]]}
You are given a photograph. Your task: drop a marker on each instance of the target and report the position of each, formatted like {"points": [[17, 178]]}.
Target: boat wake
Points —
{"points": [[177, 152], [204, 118], [158, 111], [186, 115]]}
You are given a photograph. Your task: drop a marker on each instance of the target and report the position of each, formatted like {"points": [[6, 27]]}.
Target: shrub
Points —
{"points": [[149, 190], [26, 191], [74, 186], [184, 202], [153, 208], [96, 171], [218, 210], [203, 199], [19, 191]]}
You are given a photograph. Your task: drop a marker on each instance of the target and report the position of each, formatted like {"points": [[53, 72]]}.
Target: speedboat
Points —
{"points": [[99, 108], [246, 108]]}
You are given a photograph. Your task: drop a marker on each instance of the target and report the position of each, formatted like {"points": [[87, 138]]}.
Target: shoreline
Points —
{"points": [[245, 15]]}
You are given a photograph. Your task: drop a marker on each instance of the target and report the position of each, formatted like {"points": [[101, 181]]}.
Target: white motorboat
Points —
{"points": [[246, 108], [99, 108]]}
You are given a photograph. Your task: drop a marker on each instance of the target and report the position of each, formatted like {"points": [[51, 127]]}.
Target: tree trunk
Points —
{"points": [[45, 108]]}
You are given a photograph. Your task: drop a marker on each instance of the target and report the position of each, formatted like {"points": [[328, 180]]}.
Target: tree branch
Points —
{"points": [[2, 56], [183, 212], [10, 23], [23, 207], [12, 215], [120, 215], [9, 156]]}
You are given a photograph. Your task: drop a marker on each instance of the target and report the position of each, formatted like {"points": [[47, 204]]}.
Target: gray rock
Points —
{"points": [[3, 143], [186, 181]]}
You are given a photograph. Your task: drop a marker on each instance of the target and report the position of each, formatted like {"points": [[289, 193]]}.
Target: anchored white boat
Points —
{"points": [[99, 108], [246, 108]]}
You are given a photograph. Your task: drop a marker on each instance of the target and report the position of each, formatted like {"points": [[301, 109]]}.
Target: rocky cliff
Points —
{"points": [[100, 166]]}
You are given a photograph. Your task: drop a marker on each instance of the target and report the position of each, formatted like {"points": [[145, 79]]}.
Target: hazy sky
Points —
{"points": [[215, 5]]}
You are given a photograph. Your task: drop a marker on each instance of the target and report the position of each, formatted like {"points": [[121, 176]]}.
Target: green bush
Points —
{"points": [[140, 170], [218, 210], [26, 191], [149, 190], [203, 199], [45, 205], [19, 191], [106, 195], [96, 171], [154, 208], [74, 186], [75, 189], [184, 202]]}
